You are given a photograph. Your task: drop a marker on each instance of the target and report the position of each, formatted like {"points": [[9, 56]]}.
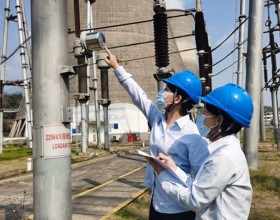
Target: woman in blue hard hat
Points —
{"points": [[172, 133], [221, 189]]}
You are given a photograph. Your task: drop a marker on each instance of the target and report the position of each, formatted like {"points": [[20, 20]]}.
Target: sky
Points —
{"points": [[221, 17]]}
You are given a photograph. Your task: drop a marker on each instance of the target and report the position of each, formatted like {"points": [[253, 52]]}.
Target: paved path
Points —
{"points": [[99, 187]]}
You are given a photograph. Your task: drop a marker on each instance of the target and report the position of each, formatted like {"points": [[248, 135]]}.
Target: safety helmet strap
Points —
{"points": [[218, 132], [171, 106]]}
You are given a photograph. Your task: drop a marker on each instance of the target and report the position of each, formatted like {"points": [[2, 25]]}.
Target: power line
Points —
{"points": [[141, 58], [152, 56], [145, 42], [229, 53], [112, 26], [13, 53], [226, 67], [229, 35], [130, 23], [150, 41], [225, 57]]}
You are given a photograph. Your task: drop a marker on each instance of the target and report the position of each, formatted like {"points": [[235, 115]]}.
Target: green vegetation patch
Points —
{"points": [[263, 214], [15, 152], [139, 210], [263, 181]]}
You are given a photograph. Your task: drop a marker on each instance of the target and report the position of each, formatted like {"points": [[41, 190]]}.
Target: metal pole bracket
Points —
{"points": [[66, 70], [67, 115]]}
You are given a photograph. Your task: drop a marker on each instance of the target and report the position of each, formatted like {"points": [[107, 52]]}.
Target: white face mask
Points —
{"points": [[160, 97], [200, 123]]}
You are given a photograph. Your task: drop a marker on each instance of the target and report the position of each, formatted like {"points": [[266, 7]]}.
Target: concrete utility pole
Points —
{"points": [[253, 79], [52, 114]]}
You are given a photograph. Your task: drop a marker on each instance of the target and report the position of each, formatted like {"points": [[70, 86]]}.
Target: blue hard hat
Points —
{"points": [[188, 82], [233, 100]]}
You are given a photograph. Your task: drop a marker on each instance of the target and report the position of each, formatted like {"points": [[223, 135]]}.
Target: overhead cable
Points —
{"points": [[24, 42], [147, 42], [225, 57], [152, 56], [230, 35], [119, 25], [141, 58], [131, 23], [227, 67], [126, 24], [266, 86], [229, 53]]}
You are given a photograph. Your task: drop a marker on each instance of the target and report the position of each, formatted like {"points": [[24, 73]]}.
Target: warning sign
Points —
{"points": [[56, 141]]}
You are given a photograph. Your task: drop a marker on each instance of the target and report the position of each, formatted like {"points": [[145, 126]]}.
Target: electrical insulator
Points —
{"points": [[161, 37]]}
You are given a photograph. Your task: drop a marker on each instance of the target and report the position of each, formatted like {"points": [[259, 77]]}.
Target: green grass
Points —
{"points": [[138, 210], [263, 214], [15, 152], [263, 181], [266, 183], [270, 138]]}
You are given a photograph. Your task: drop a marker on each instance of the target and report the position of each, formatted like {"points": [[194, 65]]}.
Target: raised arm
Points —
{"points": [[136, 93]]}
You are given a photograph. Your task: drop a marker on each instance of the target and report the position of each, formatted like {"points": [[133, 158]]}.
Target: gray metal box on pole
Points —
{"points": [[51, 131]]}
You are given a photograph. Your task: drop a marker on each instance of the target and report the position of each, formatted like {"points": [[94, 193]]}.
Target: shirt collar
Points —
{"points": [[222, 142], [182, 121], [179, 122]]}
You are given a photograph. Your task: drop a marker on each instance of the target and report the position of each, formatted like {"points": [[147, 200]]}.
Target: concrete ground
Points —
{"points": [[100, 187]]}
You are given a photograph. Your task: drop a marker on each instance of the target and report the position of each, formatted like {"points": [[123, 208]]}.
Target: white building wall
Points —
{"points": [[128, 118], [124, 118]]}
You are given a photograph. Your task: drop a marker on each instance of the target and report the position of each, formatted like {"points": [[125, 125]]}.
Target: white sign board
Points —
{"points": [[56, 141]]}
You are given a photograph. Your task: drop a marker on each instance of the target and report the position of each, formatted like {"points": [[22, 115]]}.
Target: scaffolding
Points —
{"points": [[26, 66]]}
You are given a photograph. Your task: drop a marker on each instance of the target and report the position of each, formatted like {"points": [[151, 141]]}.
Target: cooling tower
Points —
{"points": [[139, 59]]}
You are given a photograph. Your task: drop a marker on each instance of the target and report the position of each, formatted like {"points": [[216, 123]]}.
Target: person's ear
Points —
{"points": [[177, 99]]}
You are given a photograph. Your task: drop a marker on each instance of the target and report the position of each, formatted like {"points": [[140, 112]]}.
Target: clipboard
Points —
{"points": [[167, 168]]}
